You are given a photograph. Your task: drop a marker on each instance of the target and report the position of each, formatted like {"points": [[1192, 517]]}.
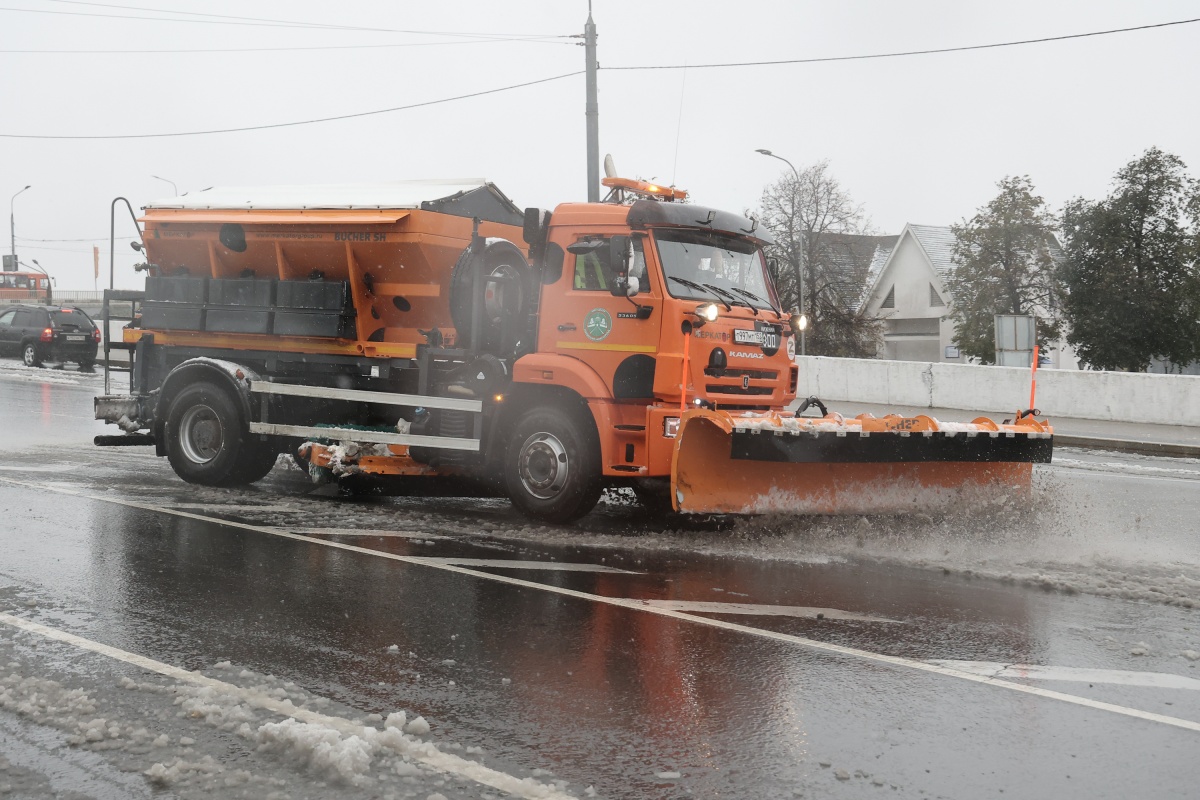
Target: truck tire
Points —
{"points": [[29, 355], [207, 440], [505, 301], [654, 495], [257, 461], [552, 466]]}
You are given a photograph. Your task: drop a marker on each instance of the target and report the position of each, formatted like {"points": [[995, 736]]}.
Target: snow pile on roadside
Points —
{"points": [[179, 736]]}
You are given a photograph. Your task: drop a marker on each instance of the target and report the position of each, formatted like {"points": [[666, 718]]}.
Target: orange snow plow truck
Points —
{"points": [[430, 338]]}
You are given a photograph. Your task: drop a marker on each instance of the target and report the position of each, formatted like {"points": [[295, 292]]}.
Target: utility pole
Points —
{"points": [[12, 229], [593, 111]]}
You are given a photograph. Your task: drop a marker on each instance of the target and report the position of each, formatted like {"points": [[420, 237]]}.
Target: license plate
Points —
{"points": [[747, 337], [76, 337]]}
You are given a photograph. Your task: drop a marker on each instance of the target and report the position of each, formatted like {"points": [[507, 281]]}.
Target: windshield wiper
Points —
{"points": [[753, 296], [701, 288], [732, 297]]}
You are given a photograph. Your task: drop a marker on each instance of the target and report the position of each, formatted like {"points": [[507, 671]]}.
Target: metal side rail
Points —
{"points": [[359, 395]]}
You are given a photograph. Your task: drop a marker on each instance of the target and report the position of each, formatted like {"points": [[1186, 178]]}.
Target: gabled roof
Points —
{"points": [[938, 243], [851, 260]]}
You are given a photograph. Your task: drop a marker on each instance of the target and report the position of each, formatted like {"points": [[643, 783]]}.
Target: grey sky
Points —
{"points": [[918, 139]]}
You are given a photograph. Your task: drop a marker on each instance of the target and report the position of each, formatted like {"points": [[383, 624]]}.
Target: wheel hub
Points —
{"points": [[543, 466], [200, 434]]}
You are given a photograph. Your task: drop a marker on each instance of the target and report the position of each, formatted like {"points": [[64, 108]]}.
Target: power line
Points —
{"points": [[300, 122], [89, 239], [225, 19], [908, 52], [325, 25], [282, 49], [61, 249]]}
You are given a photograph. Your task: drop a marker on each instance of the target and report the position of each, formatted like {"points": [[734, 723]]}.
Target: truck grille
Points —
{"points": [[737, 374], [717, 388]]}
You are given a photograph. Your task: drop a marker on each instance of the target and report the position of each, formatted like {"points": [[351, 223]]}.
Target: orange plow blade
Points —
{"points": [[735, 463]]}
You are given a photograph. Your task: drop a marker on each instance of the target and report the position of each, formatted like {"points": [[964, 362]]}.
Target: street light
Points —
{"points": [[12, 228], [803, 316], [164, 180]]}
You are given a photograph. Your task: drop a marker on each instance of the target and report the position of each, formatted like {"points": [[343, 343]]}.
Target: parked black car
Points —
{"points": [[49, 333]]}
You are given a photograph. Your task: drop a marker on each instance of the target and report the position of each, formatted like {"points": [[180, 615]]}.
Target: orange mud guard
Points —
{"points": [[750, 463]]}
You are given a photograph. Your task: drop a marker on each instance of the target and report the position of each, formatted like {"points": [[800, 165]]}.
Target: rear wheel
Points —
{"points": [[552, 465], [29, 354], [208, 442]]}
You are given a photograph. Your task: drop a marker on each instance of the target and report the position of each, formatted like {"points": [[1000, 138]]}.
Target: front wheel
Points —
{"points": [[29, 355], [552, 465], [208, 441]]}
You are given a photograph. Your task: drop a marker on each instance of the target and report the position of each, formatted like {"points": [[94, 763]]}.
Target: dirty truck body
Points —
{"points": [[431, 338]]}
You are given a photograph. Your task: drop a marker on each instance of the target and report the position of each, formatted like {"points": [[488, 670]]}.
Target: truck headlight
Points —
{"points": [[707, 312]]}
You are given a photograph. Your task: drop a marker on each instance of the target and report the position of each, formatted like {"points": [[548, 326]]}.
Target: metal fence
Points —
{"points": [[78, 296]]}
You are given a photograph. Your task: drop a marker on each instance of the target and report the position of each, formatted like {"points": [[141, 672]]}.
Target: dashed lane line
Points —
{"points": [[417, 750], [646, 607]]}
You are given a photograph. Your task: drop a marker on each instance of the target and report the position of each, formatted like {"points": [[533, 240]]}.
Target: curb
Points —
{"points": [[1129, 446]]}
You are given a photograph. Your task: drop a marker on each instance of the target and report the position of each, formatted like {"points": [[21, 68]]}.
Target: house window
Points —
{"points": [[890, 300], [935, 299]]}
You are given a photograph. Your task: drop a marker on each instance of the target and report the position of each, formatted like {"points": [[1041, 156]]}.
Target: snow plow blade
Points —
{"points": [[744, 463]]}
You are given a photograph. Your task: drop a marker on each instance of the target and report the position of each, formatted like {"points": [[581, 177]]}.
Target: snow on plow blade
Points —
{"points": [[726, 463]]}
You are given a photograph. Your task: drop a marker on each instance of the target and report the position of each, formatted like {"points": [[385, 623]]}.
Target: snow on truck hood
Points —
{"points": [[399, 194]]}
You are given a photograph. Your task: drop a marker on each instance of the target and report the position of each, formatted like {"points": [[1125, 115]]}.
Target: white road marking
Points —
{"points": [[504, 563], [1037, 672], [421, 751], [358, 532], [639, 605], [751, 609], [234, 507]]}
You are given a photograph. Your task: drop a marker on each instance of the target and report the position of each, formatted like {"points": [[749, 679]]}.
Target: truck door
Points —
{"points": [[582, 318]]}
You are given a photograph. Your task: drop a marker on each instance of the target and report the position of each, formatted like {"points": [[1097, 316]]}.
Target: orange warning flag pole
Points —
{"points": [[683, 378]]}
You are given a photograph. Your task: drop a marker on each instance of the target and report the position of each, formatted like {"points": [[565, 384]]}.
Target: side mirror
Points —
{"points": [[535, 224], [618, 254], [618, 264]]}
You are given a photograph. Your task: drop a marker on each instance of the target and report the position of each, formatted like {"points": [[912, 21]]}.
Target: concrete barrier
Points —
{"points": [[1121, 396]]}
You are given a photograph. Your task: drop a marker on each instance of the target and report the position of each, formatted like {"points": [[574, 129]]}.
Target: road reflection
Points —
{"points": [[597, 693]]}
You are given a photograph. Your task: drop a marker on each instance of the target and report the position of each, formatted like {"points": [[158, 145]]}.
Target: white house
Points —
{"points": [[908, 292]]}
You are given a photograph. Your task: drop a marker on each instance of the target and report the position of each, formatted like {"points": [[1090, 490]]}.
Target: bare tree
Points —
{"points": [[805, 211]]}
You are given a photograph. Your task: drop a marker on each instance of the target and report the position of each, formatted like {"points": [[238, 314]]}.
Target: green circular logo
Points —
{"points": [[597, 324]]}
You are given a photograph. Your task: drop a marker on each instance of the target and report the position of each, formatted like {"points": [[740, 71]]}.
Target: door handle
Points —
{"points": [[567, 326]]}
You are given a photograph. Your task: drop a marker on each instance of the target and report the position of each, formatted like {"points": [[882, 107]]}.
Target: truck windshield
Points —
{"points": [[699, 265]]}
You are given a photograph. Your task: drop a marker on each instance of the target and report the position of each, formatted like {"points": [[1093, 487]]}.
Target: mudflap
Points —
{"points": [[724, 464]]}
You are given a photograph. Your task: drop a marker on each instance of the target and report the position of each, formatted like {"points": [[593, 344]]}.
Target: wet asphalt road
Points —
{"points": [[825, 658]]}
